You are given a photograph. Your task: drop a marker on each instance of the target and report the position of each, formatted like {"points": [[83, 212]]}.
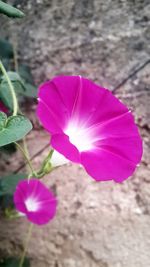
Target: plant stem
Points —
{"points": [[15, 102], [26, 245], [26, 157], [25, 147]]}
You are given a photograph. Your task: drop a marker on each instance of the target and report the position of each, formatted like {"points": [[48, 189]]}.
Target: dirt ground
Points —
{"points": [[97, 224]]}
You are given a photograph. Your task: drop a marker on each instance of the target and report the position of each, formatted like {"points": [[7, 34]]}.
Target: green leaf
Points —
{"points": [[15, 128], [13, 262], [13, 76], [30, 90], [5, 93], [3, 119], [8, 183], [6, 49], [25, 74], [21, 87], [10, 11]]}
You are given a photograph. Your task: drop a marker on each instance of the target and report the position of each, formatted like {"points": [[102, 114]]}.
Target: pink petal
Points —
{"points": [[67, 87], [105, 165], [80, 95], [35, 200], [46, 212], [51, 110], [120, 126], [61, 143], [109, 107]]}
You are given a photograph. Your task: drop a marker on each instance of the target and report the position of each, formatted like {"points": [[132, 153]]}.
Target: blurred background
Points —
{"points": [[97, 224]]}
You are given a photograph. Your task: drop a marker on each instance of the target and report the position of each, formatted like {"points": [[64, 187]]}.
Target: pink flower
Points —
{"points": [[90, 126], [3, 108], [34, 200]]}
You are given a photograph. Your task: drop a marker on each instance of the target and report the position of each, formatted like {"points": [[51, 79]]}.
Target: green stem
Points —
{"points": [[15, 102], [26, 157], [26, 245], [25, 148]]}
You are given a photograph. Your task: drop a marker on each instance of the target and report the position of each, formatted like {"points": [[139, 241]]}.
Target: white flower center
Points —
{"points": [[31, 204], [79, 137]]}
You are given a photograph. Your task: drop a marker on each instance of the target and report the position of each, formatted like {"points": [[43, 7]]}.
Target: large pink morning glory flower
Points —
{"points": [[34, 200], [90, 126]]}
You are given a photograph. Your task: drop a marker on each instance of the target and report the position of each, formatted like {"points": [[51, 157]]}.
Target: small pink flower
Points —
{"points": [[33, 199], [90, 126], [3, 108]]}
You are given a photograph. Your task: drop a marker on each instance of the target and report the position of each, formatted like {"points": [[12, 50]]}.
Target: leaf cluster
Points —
{"points": [[22, 80], [12, 129]]}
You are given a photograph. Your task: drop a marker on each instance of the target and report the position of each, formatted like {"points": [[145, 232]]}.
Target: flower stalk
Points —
{"points": [[26, 244], [26, 158]]}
